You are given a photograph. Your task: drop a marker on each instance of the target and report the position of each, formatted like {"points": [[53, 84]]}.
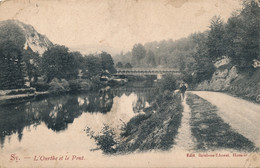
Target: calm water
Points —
{"points": [[59, 123]]}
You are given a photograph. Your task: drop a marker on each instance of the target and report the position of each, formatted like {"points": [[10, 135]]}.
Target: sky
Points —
{"points": [[115, 25]]}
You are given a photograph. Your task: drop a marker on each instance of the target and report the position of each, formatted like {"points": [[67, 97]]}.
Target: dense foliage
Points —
{"points": [[168, 82], [82, 72], [107, 62], [58, 62], [121, 65], [243, 34], [21, 67], [12, 68], [195, 55]]}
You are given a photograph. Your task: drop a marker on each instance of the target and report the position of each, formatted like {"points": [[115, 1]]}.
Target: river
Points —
{"points": [[59, 123], [43, 130]]}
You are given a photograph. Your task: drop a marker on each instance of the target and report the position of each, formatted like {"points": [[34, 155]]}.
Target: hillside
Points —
{"points": [[23, 35], [21, 48]]}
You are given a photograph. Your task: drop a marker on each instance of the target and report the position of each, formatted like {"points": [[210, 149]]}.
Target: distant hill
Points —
{"points": [[23, 36]]}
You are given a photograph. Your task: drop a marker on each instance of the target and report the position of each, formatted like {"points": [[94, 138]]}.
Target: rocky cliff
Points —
{"points": [[23, 35], [223, 76]]}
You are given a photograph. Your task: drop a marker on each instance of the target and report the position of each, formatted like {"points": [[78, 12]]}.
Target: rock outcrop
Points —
{"points": [[222, 77], [24, 35]]}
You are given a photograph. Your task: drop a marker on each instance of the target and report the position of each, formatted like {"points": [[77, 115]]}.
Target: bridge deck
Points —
{"points": [[146, 71]]}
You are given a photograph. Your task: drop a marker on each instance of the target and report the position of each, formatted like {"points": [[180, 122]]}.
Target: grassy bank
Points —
{"points": [[246, 86], [210, 131], [156, 129], [153, 130]]}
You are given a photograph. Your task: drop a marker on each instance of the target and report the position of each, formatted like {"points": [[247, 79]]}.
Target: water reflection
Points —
{"points": [[144, 96], [56, 113]]}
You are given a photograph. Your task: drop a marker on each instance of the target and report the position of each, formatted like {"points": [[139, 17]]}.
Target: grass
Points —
{"points": [[210, 131], [154, 130]]}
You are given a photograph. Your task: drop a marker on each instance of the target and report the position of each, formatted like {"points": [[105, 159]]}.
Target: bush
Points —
{"points": [[96, 83], [57, 86], [41, 86], [80, 85], [168, 82], [74, 85], [106, 140]]}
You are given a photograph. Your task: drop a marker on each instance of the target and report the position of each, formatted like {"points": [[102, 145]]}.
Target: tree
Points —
{"points": [[93, 66], [128, 65], [151, 59], [216, 41], [119, 65], [13, 34], [32, 61], [204, 67], [58, 62], [168, 82], [107, 62], [12, 67], [79, 59], [138, 53], [243, 34]]}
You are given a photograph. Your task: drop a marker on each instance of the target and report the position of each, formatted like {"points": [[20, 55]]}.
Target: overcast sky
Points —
{"points": [[115, 25]]}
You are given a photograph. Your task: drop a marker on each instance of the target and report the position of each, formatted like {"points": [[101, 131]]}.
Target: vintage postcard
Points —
{"points": [[129, 83]]}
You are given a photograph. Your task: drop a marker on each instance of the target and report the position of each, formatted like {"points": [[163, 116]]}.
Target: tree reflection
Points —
{"points": [[139, 105], [97, 102], [13, 119], [60, 112], [56, 112]]}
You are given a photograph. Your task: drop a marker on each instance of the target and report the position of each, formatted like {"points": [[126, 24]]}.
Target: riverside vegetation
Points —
{"points": [[152, 129], [46, 67], [196, 55]]}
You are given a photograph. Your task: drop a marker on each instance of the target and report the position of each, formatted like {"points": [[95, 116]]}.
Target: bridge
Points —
{"points": [[118, 91], [138, 71]]}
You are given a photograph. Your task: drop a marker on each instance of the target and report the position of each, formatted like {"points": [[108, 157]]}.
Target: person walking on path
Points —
{"points": [[183, 89]]}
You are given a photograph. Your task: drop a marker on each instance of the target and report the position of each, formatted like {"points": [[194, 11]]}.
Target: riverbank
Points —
{"points": [[21, 96], [6, 99], [18, 94], [153, 129], [55, 87]]}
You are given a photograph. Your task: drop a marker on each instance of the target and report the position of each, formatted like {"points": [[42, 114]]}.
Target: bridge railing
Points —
{"points": [[146, 71]]}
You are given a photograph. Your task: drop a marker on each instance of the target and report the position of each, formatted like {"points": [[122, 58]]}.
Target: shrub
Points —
{"points": [[41, 86], [80, 85], [168, 82], [57, 86], [74, 85], [96, 83], [106, 140], [85, 85]]}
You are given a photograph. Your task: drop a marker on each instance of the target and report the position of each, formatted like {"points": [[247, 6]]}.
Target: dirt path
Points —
{"points": [[211, 131], [184, 139], [241, 115]]}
